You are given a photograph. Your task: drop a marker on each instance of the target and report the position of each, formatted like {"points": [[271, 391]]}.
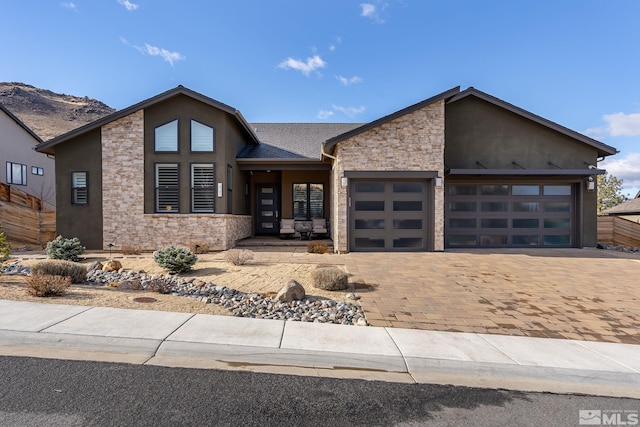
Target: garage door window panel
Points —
{"points": [[494, 206], [526, 240], [494, 190], [525, 190], [369, 224], [557, 190]]}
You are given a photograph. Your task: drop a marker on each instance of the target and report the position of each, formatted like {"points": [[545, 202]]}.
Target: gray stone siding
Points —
{"points": [[124, 220], [412, 142]]}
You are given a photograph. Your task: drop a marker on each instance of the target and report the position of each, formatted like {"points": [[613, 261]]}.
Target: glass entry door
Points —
{"points": [[267, 209]]}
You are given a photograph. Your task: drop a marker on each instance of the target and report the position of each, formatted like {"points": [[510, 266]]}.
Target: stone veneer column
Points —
{"points": [[123, 180], [412, 142]]}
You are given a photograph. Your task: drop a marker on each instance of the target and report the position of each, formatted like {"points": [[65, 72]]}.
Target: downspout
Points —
{"points": [[336, 246]]}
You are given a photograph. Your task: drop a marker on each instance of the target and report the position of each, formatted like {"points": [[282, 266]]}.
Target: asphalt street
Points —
{"points": [[46, 392]]}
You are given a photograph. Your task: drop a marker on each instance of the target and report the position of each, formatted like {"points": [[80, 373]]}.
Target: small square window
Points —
{"points": [[37, 171]]}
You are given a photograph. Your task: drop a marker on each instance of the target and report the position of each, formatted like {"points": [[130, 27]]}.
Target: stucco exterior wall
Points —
{"points": [[124, 220], [412, 142]]}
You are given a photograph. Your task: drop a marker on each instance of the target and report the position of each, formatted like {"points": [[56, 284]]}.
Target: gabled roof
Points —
{"points": [[292, 140], [603, 149], [49, 146], [630, 207], [21, 124], [330, 143]]}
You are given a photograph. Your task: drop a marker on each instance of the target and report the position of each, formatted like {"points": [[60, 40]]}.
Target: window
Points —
{"points": [[167, 190], [16, 173], [203, 182], [229, 189], [37, 171], [308, 201], [79, 188], [166, 137], [202, 137]]}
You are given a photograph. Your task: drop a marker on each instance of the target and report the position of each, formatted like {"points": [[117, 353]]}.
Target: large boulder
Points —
{"points": [[112, 265], [94, 266], [290, 292]]}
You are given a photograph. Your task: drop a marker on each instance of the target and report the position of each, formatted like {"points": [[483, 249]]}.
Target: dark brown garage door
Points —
{"points": [[389, 215], [509, 215]]}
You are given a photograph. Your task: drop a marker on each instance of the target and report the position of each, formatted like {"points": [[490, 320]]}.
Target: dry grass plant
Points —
{"points": [[46, 285], [238, 256], [76, 272]]}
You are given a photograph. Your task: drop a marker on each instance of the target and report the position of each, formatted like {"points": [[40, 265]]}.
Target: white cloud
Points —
{"points": [[618, 124], [370, 11], [324, 114], [349, 81], [312, 64], [349, 111], [70, 5], [128, 4], [625, 168], [147, 49]]}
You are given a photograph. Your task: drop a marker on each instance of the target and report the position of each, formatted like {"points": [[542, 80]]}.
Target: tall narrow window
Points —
{"points": [[229, 189], [166, 137], [167, 189], [203, 182], [308, 201], [202, 137], [16, 173], [79, 188]]}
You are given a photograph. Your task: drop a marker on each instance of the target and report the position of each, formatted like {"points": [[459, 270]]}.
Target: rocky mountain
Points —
{"points": [[47, 113]]}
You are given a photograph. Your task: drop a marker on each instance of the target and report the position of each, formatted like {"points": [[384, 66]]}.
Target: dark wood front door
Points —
{"points": [[267, 209]]}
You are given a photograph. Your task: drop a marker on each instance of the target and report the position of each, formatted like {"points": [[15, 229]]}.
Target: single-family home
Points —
{"points": [[461, 169]]}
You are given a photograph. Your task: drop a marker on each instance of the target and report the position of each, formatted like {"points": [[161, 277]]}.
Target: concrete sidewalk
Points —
{"points": [[374, 353]]}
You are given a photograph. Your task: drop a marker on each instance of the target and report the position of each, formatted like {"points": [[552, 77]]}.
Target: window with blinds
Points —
{"points": [[308, 201], [203, 180], [202, 137], [166, 137], [167, 188], [79, 188]]}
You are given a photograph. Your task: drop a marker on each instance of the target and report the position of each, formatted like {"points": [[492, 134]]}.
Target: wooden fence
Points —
{"points": [[26, 218], [618, 231]]}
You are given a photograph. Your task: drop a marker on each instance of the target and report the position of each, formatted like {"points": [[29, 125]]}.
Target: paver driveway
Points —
{"points": [[585, 294]]}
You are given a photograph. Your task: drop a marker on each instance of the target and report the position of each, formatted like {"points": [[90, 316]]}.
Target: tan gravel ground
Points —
{"points": [[265, 274]]}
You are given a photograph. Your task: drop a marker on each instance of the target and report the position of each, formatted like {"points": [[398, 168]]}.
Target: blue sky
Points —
{"points": [[575, 62]]}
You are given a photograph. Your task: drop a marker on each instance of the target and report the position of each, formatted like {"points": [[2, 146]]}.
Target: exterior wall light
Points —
{"points": [[438, 182], [591, 184]]}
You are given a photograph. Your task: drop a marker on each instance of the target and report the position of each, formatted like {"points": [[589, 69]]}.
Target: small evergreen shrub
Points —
{"points": [[238, 256], [175, 259], [45, 285], [5, 247], [317, 247], [329, 279], [66, 249], [76, 272]]}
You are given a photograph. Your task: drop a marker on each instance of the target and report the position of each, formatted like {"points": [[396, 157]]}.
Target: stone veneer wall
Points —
{"points": [[412, 142], [124, 220]]}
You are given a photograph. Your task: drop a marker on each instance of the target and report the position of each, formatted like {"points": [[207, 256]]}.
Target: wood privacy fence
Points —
{"points": [[618, 231], [26, 218]]}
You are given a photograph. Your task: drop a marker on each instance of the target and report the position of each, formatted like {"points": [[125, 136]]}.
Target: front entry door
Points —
{"points": [[267, 209]]}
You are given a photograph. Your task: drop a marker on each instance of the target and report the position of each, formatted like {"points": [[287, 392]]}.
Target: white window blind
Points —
{"points": [[166, 137], [167, 190], [203, 181], [201, 137]]}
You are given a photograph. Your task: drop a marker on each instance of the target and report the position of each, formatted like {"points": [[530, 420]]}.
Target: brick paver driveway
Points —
{"points": [[585, 294]]}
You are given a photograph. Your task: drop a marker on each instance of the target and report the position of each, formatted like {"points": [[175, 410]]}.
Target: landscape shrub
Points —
{"points": [[329, 279], [238, 256], [317, 247], [199, 247], [65, 249], [131, 249], [75, 271], [45, 285], [175, 259], [5, 247]]}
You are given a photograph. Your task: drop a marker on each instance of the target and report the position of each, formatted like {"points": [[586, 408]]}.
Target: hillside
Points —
{"points": [[47, 113]]}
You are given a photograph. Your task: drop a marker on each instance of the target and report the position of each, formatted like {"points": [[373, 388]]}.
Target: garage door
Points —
{"points": [[509, 215], [389, 215]]}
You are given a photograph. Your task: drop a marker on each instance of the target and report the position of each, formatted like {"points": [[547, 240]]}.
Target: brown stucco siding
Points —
{"points": [[413, 142], [125, 222]]}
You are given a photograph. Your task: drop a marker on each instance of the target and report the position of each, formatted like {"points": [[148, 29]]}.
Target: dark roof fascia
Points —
{"points": [[527, 172], [603, 149], [21, 124], [391, 174], [179, 90], [282, 164], [330, 143]]}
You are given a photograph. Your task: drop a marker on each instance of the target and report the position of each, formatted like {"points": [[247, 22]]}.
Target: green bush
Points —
{"points": [[5, 247], [329, 278], [76, 272], [175, 259], [44, 285], [66, 249]]}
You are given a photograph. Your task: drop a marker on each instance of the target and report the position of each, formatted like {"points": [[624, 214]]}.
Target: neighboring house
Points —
{"points": [[458, 170], [628, 210], [24, 168]]}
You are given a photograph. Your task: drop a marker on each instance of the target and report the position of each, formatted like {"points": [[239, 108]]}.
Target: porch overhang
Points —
{"points": [[282, 164], [524, 172]]}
